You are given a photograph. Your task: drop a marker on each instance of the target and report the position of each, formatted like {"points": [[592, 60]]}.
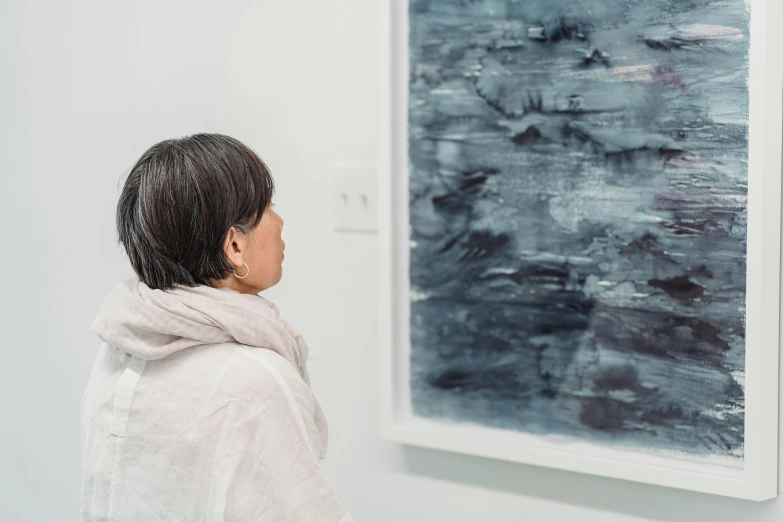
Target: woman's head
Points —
{"points": [[197, 211]]}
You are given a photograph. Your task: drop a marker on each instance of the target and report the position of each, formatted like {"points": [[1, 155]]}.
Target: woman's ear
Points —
{"points": [[234, 246]]}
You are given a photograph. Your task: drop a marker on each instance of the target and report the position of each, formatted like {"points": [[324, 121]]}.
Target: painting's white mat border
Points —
{"points": [[758, 478]]}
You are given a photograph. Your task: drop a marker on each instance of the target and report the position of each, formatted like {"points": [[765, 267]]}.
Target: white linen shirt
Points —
{"points": [[215, 432]]}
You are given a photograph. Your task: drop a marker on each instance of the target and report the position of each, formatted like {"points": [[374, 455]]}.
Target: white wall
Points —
{"points": [[86, 87]]}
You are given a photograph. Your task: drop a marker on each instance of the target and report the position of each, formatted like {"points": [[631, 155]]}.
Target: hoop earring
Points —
{"points": [[244, 276]]}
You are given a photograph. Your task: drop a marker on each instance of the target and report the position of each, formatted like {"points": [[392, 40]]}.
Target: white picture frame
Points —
{"points": [[757, 480]]}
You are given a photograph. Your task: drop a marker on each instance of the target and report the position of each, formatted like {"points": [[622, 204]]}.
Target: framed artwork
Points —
{"points": [[580, 235]]}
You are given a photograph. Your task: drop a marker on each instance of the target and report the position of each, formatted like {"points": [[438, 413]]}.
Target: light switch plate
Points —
{"points": [[355, 199]]}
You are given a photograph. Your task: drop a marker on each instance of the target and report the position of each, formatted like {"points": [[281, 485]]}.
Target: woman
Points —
{"points": [[199, 406]]}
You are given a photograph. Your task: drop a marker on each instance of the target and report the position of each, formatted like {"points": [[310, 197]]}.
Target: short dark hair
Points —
{"points": [[180, 200]]}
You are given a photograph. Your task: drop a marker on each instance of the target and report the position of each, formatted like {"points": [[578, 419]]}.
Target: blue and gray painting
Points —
{"points": [[578, 189]]}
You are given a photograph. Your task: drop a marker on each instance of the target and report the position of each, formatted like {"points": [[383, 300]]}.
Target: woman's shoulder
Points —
{"points": [[264, 379], [281, 378], [248, 378], [244, 365]]}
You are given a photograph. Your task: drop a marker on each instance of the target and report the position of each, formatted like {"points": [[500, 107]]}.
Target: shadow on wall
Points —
{"points": [[589, 491]]}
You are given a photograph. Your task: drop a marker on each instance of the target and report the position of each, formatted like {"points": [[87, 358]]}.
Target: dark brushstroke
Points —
{"points": [[680, 287]]}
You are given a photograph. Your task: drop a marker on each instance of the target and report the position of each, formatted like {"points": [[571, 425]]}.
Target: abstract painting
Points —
{"points": [[578, 182]]}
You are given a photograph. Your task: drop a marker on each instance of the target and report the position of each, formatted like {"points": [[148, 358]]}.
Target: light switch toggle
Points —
{"points": [[355, 199]]}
